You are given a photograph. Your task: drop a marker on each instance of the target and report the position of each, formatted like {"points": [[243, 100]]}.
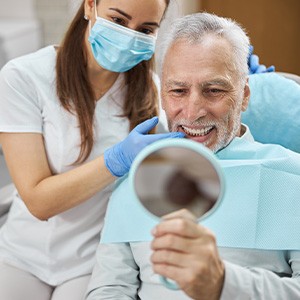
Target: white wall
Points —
{"points": [[24, 9], [20, 30], [54, 18]]}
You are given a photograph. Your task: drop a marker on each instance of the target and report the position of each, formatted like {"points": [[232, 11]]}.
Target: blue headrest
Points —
{"points": [[273, 114]]}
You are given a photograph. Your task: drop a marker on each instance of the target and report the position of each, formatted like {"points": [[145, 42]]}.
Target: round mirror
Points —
{"points": [[176, 174]]}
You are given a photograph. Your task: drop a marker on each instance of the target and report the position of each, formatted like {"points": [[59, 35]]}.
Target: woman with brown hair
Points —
{"points": [[65, 116]]}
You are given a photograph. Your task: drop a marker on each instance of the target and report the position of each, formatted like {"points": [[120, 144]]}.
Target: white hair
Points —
{"points": [[194, 28]]}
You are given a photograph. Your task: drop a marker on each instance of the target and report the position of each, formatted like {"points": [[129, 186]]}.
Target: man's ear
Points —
{"points": [[89, 10], [246, 96]]}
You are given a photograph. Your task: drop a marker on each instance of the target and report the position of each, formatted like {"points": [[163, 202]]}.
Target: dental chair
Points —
{"points": [[294, 77], [273, 114]]}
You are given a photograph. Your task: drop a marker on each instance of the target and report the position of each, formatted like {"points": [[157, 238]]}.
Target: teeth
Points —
{"points": [[197, 132]]}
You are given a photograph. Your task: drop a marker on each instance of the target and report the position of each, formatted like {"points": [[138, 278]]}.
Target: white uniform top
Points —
{"points": [[64, 246]]}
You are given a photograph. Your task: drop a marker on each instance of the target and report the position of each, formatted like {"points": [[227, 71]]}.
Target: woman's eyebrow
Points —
{"points": [[151, 24], [123, 13]]}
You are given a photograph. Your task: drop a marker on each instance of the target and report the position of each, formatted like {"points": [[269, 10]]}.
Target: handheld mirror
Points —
{"points": [[173, 174]]}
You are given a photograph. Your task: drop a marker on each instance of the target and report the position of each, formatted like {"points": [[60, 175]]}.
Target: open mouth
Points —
{"points": [[195, 132]]}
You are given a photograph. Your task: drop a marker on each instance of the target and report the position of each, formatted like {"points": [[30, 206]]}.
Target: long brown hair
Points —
{"points": [[75, 92]]}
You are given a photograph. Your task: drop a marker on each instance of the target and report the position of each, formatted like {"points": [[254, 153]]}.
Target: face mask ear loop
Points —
{"points": [[96, 16], [95, 3]]}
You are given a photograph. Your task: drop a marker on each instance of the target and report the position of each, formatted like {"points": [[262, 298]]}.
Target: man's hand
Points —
{"points": [[186, 252]]}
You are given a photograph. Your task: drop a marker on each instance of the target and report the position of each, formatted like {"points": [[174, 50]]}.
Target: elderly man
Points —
{"points": [[204, 91]]}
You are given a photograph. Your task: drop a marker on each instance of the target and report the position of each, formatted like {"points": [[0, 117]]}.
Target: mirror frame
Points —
{"points": [[182, 143]]}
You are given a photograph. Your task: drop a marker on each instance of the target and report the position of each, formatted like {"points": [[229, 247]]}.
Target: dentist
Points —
{"points": [[66, 112]]}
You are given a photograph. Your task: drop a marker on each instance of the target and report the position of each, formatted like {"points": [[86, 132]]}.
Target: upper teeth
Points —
{"points": [[198, 132]]}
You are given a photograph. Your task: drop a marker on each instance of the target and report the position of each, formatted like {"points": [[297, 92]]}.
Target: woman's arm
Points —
{"points": [[46, 194]]}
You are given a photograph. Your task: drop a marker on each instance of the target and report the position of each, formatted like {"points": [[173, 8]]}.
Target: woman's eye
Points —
{"points": [[118, 21], [146, 31]]}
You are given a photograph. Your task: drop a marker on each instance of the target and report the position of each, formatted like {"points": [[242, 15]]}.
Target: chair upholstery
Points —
{"points": [[273, 114]]}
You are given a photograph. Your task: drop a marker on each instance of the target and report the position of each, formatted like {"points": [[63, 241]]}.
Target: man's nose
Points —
{"points": [[195, 107]]}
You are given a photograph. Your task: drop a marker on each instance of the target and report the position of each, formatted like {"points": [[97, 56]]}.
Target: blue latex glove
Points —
{"points": [[254, 66], [119, 158]]}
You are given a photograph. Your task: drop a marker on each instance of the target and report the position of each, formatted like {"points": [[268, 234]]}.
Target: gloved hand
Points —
{"points": [[254, 66], [118, 158]]}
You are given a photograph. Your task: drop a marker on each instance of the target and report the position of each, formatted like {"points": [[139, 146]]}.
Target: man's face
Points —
{"points": [[202, 94]]}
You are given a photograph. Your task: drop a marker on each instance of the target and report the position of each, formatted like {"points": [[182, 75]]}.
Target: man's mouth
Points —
{"points": [[197, 132]]}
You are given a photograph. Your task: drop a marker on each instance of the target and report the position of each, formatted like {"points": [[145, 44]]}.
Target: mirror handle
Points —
{"points": [[169, 283]]}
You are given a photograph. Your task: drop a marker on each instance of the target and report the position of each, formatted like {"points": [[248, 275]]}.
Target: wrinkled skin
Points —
{"points": [[202, 93]]}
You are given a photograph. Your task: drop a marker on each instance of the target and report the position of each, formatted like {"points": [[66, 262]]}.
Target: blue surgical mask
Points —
{"points": [[117, 48]]}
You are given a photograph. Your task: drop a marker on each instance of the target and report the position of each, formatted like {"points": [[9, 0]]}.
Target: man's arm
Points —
{"points": [[186, 252], [261, 284], [115, 275]]}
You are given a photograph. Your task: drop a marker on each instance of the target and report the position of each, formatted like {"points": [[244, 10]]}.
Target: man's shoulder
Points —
{"points": [[241, 148], [272, 149]]}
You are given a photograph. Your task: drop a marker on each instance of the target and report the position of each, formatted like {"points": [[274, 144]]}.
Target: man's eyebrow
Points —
{"points": [[220, 82], [172, 83], [123, 13]]}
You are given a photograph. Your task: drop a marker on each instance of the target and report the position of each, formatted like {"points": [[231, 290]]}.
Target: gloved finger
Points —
{"points": [[251, 48], [146, 126], [253, 63], [261, 69], [159, 136], [271, 69]]}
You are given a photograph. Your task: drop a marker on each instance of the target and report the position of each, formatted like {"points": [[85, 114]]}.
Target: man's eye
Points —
{"points": [[178, 92], [213, 92]]}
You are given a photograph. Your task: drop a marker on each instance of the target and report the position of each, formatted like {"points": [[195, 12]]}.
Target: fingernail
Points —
{"points": [[153, 231]]}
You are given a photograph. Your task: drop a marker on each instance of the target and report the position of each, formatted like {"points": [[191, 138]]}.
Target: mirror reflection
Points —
{"points": [[173, 178]]}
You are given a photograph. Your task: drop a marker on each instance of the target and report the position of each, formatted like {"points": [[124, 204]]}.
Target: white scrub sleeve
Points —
{"points": [[20, 110]]}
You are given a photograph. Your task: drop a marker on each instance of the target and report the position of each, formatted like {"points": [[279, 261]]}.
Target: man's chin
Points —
{"points": [[212, 146]]}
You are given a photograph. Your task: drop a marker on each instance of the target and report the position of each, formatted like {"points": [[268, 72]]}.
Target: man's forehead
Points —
{"points": [[210, 64], [208, 44], [190, 58]]}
